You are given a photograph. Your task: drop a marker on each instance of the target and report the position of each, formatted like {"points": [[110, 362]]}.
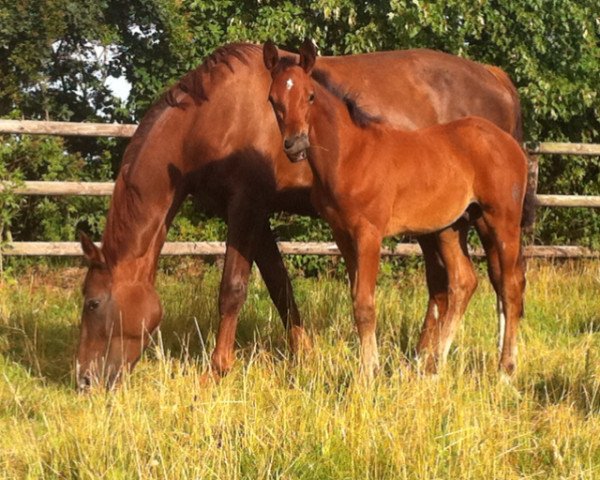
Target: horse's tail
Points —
{"points": [[529, 204], [506, 82]]}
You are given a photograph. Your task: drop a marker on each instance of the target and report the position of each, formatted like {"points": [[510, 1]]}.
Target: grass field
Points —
{"points": [[312, 419]]}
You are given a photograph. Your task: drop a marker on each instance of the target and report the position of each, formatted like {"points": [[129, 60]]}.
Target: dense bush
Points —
{"points": [[52, 67]]}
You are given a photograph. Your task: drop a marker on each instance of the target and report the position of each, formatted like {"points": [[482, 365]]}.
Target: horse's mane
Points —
{"points": [[359, 116], [193, 83]]}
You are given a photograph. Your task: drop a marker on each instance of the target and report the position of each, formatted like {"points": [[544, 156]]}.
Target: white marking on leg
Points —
{"points": [[436, 311], [289, 84], [369, 355], [501, 324]]}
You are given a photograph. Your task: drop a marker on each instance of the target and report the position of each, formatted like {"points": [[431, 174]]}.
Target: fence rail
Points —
{"points": [[34, 127], [106, 188], [72, 249], [218, 248]]}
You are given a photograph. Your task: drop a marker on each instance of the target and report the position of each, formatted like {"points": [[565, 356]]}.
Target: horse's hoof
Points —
{"points": [[300, 342]]}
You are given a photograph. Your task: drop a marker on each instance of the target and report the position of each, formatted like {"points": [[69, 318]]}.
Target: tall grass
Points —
{"points": [[313, 418]]}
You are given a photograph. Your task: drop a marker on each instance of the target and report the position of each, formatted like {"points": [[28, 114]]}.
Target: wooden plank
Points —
{"points": [[106, 188], [34, 127], [563, 148], [63, 188], [288, 248], [568, 200]]}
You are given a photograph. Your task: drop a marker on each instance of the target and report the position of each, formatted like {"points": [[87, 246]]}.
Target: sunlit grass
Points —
{"points": [[276, 418]]}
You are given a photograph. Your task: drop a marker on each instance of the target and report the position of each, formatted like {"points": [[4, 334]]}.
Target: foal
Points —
{"points": [[372, 181]]}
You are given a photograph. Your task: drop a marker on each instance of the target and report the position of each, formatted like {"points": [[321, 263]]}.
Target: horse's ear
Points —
{"points": [[92, 253], [308, 55], [270, 55]]}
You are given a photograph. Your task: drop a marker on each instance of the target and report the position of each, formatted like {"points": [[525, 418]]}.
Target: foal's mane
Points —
{"points": [[359, 115]]}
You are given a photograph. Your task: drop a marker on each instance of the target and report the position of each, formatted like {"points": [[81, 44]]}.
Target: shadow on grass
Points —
{"points": [[589, 326], [44, 349], [582, 392]]}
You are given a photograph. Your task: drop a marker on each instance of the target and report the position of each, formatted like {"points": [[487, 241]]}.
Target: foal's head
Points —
{"points": [[292, 95], [118, 316]]}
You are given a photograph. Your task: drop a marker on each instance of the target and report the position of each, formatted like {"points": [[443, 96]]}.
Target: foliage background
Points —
{"points": [[56, 55]]}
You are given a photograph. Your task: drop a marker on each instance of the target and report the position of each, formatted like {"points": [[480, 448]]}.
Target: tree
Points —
{"points": [[56, 54]]}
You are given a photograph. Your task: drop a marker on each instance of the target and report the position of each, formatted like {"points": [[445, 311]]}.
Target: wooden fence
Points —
{"points": [[218, 248]]}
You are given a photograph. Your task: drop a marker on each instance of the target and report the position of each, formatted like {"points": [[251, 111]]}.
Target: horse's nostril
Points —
{"points": [[288, 143]]}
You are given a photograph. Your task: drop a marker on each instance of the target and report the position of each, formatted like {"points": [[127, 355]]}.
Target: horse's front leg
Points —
{"points": [[367, 245], [275, 275], [245, 229]]}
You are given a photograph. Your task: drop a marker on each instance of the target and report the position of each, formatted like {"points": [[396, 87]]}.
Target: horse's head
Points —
{"points": [[118, 317], [292, 96]]}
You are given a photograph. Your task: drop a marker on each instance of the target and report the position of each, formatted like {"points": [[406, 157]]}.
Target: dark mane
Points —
{"points": [[192, 82], [358, 115]]}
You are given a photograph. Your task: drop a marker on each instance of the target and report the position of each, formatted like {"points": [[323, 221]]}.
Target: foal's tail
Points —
{"points": [[529, 204]]}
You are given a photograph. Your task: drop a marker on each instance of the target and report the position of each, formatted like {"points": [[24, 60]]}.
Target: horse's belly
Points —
{"points": [[428, 218]]}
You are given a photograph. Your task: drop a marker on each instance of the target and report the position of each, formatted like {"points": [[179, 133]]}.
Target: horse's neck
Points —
{"points": [[147, 193], [335, 136]]}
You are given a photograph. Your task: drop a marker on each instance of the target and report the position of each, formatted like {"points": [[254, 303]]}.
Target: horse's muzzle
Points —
{"points": [[296, 147]]}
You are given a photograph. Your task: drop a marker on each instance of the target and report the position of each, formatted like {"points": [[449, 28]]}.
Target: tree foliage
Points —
{"points": [[55, 57]]}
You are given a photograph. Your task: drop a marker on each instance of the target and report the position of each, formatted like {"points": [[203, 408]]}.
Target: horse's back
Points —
{"points": [[486, 153], [417, 88]]}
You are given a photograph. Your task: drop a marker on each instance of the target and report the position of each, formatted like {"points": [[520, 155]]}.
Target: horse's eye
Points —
{"points": [[311, 98], [92, 305]]}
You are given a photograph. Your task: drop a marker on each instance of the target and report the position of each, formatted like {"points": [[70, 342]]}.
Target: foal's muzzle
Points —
{"points": [[296, 147]]}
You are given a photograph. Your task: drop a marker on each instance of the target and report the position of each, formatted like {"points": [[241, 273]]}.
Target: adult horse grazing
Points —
{"points": [[372, 180], [213, 136]]}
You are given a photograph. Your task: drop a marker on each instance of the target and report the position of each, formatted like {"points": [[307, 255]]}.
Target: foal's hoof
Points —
{"points": [[427, 364], [210, 378]]}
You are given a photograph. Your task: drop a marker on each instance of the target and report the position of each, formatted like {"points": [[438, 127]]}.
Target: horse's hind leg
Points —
{"points": [[494, 273], [506, 234], [437, 285], [462, 282], [273, 271]]}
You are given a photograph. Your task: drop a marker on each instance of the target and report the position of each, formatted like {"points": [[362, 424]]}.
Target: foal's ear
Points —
{"points": [[92, 253], [270, 55], [308, 55]]}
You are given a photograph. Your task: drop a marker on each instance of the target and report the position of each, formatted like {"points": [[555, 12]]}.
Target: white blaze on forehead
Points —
{"points": [[289, 84]]}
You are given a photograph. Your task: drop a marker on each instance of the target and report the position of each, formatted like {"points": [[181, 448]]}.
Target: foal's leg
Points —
{"points": [[273, 271], [494, 273], [462, 282], [245, 228], [506, 231], [368, 250], [437, 285]]}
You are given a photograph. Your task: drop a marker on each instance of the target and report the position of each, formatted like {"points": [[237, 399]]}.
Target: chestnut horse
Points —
{"points": [[372, 180], [213, 136]]}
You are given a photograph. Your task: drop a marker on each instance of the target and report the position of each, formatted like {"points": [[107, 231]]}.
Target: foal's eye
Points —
{"points": [[92, 305], [311, 98]]}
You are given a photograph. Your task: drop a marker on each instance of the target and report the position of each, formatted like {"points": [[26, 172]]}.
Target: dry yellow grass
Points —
{"points": [[313, 419]]}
